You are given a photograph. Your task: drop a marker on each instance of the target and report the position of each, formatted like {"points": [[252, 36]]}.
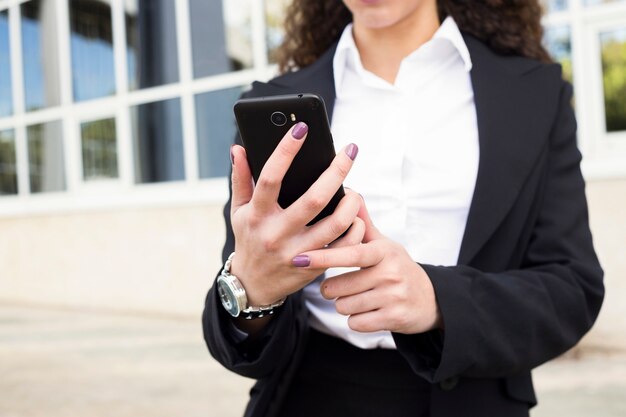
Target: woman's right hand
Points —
{"points": [[268, 237]]}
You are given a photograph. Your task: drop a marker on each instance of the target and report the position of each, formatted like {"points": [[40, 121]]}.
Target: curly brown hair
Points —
{"points": [[511, 27]]}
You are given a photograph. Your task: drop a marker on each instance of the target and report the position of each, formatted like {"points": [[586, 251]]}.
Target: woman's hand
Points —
{"points": [[268, 237], [391, 291]]}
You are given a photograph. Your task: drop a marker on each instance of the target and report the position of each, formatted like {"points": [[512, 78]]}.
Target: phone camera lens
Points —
{"points": [[278, 118]]}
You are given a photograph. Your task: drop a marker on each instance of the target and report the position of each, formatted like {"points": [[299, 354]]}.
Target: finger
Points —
{"points": [[358, 303], [305, 208], [331, 227], [371, 232], [268, 185], [353, 237], [371, 321], [349, 283], [241, 178], [361, 256]]}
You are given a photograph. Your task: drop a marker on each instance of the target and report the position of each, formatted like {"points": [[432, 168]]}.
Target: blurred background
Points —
{"points": [[115, 124]]}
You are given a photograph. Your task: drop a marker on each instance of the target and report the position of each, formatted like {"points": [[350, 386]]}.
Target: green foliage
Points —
{"points": [[8, 171], [614, 78]]}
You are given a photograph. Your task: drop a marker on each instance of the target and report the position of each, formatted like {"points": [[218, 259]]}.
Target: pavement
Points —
{"points": [[68, 363]]}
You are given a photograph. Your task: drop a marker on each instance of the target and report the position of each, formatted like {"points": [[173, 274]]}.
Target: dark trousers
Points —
{"points": [[337, 379]]}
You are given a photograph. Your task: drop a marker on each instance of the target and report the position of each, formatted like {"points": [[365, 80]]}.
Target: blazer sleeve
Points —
{"points": [[499, 324], [256, 358]]}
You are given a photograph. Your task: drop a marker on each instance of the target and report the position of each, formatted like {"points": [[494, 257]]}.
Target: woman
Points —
{"points": [[468, 241]]}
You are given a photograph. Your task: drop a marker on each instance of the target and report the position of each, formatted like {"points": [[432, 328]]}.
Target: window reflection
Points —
{"points": [[99, 148], [45, 157], [8, 168], [613, 44], [555, 5], [274, 20], [158, 141], [559, 45], [152, 53], [216, 128], [6, 97], [221, 36], [92, 49], [40, 54]]}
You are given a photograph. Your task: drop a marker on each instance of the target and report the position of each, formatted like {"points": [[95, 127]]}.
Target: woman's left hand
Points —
{"points": [[390, 291]]}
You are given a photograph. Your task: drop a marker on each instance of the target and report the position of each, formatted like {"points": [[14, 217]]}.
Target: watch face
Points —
{"points": [[229, 301]]}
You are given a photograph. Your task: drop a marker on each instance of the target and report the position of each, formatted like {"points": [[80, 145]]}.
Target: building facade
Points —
{"points": [[115, 124]]}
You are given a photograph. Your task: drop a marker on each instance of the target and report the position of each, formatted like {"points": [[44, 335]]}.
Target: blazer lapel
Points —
{"points": [[513, 124]]}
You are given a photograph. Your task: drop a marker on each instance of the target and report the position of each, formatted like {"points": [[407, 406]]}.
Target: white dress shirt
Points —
{"points": [[418, 156]]}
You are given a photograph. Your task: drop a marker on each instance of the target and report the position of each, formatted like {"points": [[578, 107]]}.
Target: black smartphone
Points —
{"points": [[263, 122]]}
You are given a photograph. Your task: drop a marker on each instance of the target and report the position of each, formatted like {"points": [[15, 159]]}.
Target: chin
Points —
{"points": [[374, 19]]}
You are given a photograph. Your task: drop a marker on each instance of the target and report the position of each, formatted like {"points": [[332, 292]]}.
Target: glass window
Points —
{"points": [[216, 128], [613, 44], [221, 36], [158, 141], [152, 53], [274, 20], [8, 168], [92, 49], [558, 43], [555, 5], [40, 54], [99, 146], [45, 157], [6, 105], [595, 2]]}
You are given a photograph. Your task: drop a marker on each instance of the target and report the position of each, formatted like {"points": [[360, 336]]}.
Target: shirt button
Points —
{"points": [[448, 384]]}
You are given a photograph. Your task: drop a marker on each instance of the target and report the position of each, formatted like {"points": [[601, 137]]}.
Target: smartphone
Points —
{"points": [[263, 122]]}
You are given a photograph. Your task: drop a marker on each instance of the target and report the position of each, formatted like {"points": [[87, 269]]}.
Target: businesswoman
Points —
{"points": [[468, 258]]}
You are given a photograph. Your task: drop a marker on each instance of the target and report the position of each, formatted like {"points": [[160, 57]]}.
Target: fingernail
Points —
{"points": [[299, 130], [352, 150], [232, 157], [301, 261]]}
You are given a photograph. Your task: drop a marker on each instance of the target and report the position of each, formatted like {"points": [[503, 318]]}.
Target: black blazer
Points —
{"points": [[528, 284]]}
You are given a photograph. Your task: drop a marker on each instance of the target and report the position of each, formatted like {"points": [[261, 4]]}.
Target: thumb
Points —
{"points": [[371, 232], [241, 178]]}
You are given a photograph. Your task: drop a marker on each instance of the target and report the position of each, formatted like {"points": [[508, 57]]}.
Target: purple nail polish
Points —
{"points": [[232, 157], [352, 150], [299, 130], [301, 261]]}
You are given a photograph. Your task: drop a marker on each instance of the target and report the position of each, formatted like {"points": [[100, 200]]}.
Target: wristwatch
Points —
{"points": [[234, 299]]}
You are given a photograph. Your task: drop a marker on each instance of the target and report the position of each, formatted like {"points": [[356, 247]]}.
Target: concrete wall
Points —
{"points": [[163, 260], [149, 260]]}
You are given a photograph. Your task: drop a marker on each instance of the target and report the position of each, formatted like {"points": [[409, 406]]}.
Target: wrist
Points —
{"points": [[255, 296], [234, 297]]}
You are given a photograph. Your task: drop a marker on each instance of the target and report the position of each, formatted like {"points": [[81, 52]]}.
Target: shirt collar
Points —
{"points": [[347, 54]]}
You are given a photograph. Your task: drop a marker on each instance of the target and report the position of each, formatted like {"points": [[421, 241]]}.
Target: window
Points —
{"points": [[221, 36], [274, 19], [8, 168], [39, 51], [99, 149], [92, 49], [6, 105], [158, 142], [152, 53], [45, 157], [558, 43], [555, 5], [216, 129], [613, 50]]}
